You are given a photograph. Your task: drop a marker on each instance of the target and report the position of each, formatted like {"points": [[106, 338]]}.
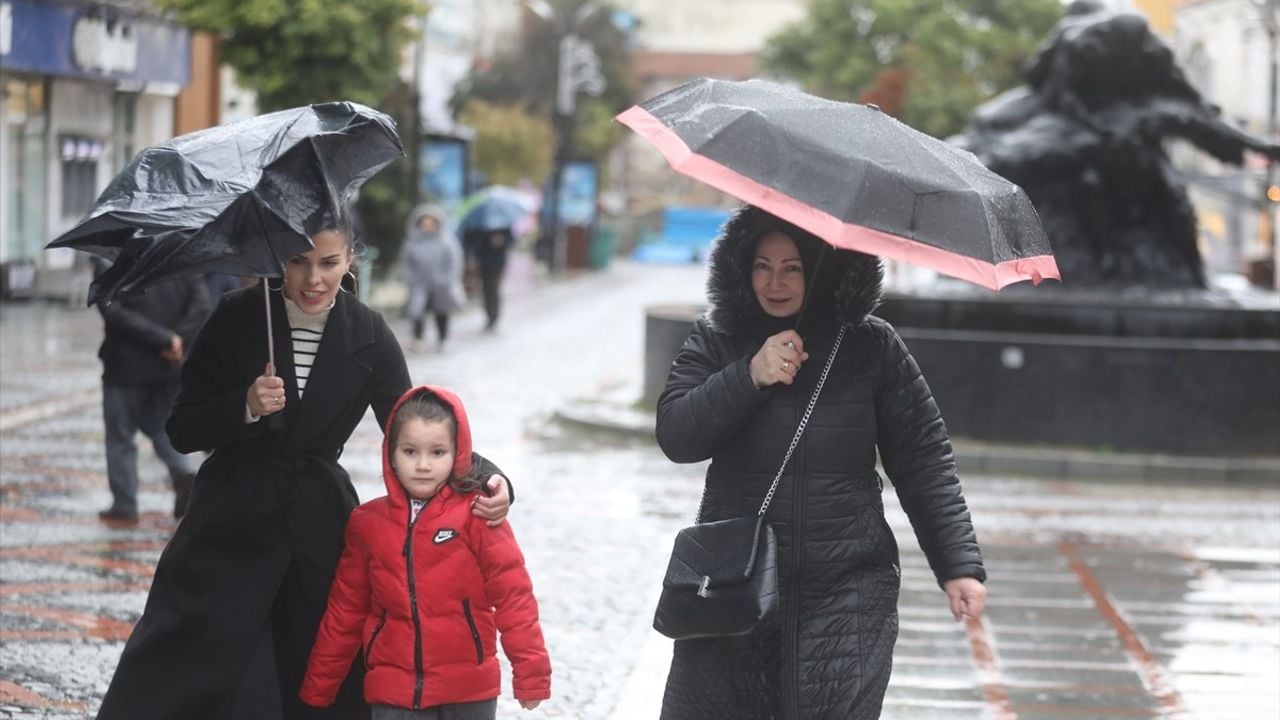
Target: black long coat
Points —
{"points": [[264, 529], [828, 654]]}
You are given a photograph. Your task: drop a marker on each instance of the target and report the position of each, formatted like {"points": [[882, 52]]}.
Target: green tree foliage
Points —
{"points": [[510, 143], [927, 62], [526, 76], [297, 52], [387, 198]]}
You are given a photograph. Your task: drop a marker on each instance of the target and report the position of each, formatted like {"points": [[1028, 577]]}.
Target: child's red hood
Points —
{"points": [[462, 453]]}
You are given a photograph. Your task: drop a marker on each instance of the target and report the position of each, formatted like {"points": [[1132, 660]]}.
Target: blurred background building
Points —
{"points": [[678, 41], [87, 84], [84, 87], [1228, 49]]}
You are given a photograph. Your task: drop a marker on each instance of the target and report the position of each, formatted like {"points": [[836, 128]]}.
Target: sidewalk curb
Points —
{"points": [[974, 456], [641, 696]]}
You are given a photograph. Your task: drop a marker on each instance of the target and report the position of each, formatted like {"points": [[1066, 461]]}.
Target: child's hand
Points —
{"points": [[530, 704], [496, 502]]}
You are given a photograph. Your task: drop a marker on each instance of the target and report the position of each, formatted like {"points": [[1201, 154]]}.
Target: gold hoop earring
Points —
{"points": [[349, 279], [277, 288]]}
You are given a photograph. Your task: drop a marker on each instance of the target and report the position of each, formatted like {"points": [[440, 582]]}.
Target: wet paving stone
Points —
{"points": [[1107, 599]]}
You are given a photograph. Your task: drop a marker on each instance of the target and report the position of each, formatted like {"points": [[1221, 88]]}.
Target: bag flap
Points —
{"points": [[714, 554]]}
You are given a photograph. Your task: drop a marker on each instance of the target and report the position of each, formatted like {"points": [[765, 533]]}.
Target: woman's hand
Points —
{"points": [[778, 360], [530, 704], [495, 503], [967, 595], [266, 394]]}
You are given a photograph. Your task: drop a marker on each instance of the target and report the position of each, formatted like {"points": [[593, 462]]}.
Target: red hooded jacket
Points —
{"points": [[423, 601]]}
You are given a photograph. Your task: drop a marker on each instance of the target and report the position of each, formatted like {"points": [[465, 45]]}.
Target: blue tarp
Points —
{"points": [[687, 232]]}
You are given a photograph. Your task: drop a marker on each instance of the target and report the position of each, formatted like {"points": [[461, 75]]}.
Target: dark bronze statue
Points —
{"points": [[1085, 138]]}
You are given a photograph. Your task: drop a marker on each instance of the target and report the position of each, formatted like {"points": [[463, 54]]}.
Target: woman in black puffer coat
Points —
{"points": [[736, 393]]}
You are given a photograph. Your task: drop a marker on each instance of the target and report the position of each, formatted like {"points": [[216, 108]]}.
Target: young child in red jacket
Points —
{"points": [[423, 586]]}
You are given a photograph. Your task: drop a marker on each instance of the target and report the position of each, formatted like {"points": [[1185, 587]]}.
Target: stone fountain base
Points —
{"points": [[1188, 373], [1184, 373]]}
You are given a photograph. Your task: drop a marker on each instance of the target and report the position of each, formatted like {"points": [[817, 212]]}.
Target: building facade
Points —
{"points": [[1228, 50], [677, 41], [85, 86]]}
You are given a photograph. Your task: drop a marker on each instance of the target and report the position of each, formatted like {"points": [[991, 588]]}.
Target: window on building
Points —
{"points": [[22, 167], [126, 123], [79, 174]]}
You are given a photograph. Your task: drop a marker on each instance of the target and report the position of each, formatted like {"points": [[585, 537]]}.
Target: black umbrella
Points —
{"points": [[850, 174], [239, 199]]}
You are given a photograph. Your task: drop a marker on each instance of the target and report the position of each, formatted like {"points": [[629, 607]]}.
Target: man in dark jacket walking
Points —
{"points": [[146, 337], [489, 248]]}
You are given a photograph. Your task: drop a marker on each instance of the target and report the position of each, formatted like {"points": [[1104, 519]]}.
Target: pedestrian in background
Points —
{"points": [[240, 588], [417, 568], [218, 284], [431, 267], [735, 395], [489, 250], [145, 339]]}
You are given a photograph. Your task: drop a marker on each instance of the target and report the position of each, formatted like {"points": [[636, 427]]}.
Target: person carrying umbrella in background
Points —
{"points": [[489, 248], [431, 265], [794, 279], [240, 589], [488, 233], [145, 338]]}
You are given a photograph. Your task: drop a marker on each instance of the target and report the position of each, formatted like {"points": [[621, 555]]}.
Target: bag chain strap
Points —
{"points": [[795, 440], [804, 420]]}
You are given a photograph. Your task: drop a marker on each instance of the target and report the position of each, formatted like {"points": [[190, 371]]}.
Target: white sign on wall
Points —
{"points": [[104, 46], [6, 28]]}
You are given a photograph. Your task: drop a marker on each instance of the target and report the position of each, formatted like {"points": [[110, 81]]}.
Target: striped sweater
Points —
{"points": [[306, 331]]}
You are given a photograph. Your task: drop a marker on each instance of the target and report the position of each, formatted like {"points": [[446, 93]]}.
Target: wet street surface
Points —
{"points": [[1107, 599]]}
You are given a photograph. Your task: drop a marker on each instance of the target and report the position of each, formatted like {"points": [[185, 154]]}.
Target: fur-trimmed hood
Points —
{"points": [[855, 288]]}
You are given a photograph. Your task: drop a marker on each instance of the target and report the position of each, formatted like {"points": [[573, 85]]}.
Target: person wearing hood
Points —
{"points": [[423, 586], [431, 268], [779, 298]]}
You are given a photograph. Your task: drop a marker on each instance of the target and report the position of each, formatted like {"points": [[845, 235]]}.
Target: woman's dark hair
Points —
{"points": [[428, 407], [345, 223]]}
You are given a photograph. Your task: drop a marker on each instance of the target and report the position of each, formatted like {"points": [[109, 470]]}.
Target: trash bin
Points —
{"points": [[602, 247], [576, 241]]}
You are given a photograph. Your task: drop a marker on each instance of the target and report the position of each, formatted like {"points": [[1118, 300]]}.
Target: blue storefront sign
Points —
{"points": [[94, 42]]}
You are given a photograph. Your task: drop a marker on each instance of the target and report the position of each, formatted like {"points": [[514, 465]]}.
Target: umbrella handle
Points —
{"points": [[271, 336], [273, 421]]}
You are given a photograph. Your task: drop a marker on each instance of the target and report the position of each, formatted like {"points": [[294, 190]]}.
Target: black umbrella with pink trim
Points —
{"points": [[852, 175]]}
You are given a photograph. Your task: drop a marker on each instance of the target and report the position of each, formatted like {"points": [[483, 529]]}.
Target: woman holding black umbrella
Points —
{"points": [[735, 394], [240, 589]]}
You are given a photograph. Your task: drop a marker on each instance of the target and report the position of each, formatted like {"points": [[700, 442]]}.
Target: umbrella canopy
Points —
{"points": [[850, 174], [495, 208], [238, 198]]}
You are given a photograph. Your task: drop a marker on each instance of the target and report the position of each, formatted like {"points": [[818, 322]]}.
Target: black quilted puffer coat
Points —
{"points": [[828, 653]]}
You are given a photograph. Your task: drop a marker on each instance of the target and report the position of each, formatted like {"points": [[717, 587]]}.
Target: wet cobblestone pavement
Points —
{"points": [[1107, 599]]}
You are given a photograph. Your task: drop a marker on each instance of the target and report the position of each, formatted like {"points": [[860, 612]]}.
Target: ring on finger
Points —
{"points": [[786, 365]]}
